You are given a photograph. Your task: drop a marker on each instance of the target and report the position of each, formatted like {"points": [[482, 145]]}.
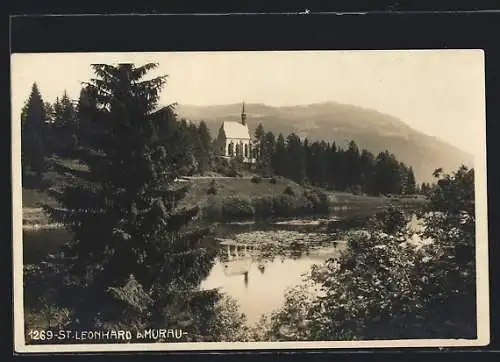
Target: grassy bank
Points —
{"points": [[236, 198], [338, 200], [219, 198]]}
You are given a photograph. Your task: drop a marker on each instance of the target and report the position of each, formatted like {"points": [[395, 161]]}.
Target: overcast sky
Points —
{"points": [[440, 93]]}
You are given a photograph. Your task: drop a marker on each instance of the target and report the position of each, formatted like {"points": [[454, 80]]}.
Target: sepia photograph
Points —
{"points": [[240, 200]]}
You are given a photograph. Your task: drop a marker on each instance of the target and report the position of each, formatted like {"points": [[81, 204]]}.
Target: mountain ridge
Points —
{"points": [[332, 121]]}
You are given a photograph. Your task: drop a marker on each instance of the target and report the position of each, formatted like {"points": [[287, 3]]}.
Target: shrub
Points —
{"points": [[213, 208], [385, 286], [287, 205], [389, 221], [212, 190], [264, 206], [318, 199], [331, 187], [272, 180], [356, 190], [236, 207], [378, 288], [230, 173], [289, 191], [256, 179]]}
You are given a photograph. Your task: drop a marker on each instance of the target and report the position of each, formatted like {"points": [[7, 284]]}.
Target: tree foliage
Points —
{"points": [[327, 165], [33, 116], [390, 283], [133, 252]]}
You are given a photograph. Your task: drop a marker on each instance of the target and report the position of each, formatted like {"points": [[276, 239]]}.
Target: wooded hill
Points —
{"points": [[341, 123]]}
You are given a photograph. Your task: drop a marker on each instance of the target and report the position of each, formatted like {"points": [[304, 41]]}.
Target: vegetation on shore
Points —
{"points": [[55, 149], [389, 284], [136, 251], [131, 251], [219, 198]]}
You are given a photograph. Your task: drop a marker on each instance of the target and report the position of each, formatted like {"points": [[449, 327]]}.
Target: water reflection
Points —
{"points": [[270, 275], [261, 289], [254, 264]]}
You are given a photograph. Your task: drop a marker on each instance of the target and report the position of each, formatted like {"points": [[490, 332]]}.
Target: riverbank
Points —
{"points": [[236, 198], [219, 198]]}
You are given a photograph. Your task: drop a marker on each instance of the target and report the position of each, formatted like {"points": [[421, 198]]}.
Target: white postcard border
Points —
{"points": [[482, 262]]}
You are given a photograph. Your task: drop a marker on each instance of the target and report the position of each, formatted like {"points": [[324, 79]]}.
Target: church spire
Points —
{"points": [[243, 115]]}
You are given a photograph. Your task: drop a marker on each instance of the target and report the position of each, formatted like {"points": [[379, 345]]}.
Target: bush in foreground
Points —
{"points": [[236, 207], [392, 286]]}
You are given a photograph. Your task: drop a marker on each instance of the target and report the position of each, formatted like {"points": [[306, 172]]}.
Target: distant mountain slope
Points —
{"points": [[341, 123]]}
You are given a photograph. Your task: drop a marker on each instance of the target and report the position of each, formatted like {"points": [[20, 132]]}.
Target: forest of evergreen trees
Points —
{"points": [[64, 128], [325, 164], [140, 259]]}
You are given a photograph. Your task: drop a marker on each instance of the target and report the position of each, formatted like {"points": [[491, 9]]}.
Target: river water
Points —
{"points": [[255, 262]]}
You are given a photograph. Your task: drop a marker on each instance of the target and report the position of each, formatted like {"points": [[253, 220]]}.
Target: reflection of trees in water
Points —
{"points": [[207, 315], [211, 315]]}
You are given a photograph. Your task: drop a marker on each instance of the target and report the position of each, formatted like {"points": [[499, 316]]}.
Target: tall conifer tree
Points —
{"points": [[131, 254], [33, 117], [296, 157]]}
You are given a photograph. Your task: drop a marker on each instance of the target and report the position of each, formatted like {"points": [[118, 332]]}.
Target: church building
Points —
{"points": [[234, 140]]}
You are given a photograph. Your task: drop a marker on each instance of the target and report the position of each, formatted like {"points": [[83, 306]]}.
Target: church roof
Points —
{"points": [[235, 130]]}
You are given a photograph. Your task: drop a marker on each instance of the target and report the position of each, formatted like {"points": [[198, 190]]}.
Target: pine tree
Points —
{"points": [[308, 160], [316, 165], [296, 165], [88, 123], [424, 188], [352, 164], [259, 138], [49, 113], [411, 187], [199, 150], [341, 177], [266, 153], [403, 175], [367, 162], [206, 159], [65, 127], [131, 253], [58, 112], [280, 160], [69, 120], [48, 134], [205, 137], [387, 175], [332, 161], [33, 118]]}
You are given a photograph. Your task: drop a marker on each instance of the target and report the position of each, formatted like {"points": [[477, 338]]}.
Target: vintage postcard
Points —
{"points": [[249, 200]]}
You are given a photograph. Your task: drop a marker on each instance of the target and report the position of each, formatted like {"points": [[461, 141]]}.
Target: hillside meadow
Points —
{"points": [[231, 197]]}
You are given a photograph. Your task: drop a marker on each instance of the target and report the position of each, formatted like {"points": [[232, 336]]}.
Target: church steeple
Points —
{"points": [[243, 115]]}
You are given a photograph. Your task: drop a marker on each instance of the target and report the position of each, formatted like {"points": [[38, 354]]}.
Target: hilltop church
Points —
{"points": [[234, 140]]}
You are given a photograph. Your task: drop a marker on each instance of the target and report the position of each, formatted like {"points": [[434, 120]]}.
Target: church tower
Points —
{"points": [[243, 115]]}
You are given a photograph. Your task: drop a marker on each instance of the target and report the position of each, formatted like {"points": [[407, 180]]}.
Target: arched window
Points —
{"points": [[238, 149], [246, 150], [230, 149], [255, 153]]}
